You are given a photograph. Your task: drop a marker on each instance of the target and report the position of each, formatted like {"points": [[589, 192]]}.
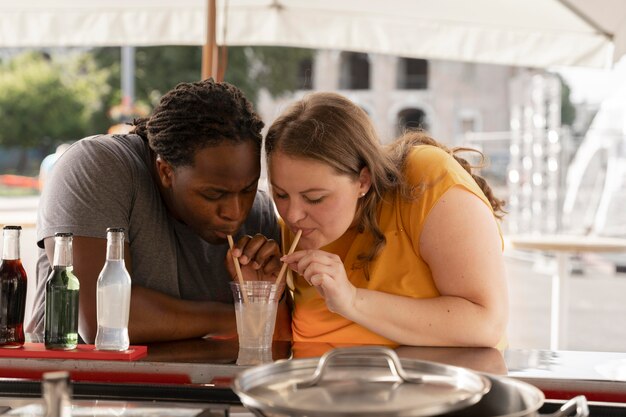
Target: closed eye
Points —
{"points": [[313, 200], [213, 197]]}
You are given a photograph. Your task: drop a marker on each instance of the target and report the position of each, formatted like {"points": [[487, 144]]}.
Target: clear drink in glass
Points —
{"points": [[113, 296]]}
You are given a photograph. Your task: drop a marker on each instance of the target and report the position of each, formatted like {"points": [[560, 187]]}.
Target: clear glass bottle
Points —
{"points": [[113, 296], [62, 287], [12, 290]]}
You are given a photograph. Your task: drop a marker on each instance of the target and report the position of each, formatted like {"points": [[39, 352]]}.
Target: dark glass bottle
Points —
{"points": [[12, 290], [61, 322]]}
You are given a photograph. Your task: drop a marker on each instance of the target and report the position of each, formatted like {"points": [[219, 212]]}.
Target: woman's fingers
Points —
{"points": [[318, 270], [301, 260]]}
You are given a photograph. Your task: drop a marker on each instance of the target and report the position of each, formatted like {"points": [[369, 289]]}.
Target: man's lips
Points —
{"points": [[224, 234]]}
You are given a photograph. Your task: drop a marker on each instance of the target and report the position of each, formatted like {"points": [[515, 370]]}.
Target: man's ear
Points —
{"points": [[365, 180], [165, 172]]}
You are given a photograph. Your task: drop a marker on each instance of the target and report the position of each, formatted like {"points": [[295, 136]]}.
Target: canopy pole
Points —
{"points": [[209, 49], [586, 19]]}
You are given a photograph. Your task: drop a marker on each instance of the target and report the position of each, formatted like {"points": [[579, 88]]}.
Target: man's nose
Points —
{"points": [[231, 208]]}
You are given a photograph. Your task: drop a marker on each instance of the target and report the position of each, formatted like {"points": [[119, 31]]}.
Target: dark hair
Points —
{"points": [[195, 115], [329, 128]]}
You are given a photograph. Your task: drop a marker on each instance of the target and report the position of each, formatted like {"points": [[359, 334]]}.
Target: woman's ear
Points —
{"points": [[365, 180], [165, 171]]}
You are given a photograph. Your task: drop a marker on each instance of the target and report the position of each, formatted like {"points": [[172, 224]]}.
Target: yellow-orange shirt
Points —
{"points": [[399, 267]]}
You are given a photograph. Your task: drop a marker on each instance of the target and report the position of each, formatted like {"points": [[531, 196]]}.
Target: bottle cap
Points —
{"points": [[12, 228], [115, 230]]}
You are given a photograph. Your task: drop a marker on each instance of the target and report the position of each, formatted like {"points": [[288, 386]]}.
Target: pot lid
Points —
{"points": [[360, 381]]}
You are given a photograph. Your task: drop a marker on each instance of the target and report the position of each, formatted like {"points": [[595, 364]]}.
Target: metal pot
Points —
{"points": [[373, 381]]}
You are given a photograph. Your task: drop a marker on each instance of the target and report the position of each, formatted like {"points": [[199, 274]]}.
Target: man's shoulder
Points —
{"points": [[113, 143], [262, 217], [106, 154], [262, 199]]}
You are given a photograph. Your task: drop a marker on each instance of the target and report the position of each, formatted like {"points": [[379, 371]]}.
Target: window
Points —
{"points": [[355, 71], [411, 118], [468, 124], [305, 74], [412, 74]]}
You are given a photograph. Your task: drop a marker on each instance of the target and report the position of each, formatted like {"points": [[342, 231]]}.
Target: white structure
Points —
{"points": [[596, 193], [446, 98]]}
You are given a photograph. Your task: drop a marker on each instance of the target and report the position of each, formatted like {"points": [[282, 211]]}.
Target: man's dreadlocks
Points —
{"points": [[195, 115]]}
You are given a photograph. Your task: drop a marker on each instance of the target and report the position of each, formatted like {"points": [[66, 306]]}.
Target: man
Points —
{"points": [[184, 180]]}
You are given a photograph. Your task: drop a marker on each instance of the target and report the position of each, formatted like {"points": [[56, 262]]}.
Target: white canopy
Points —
{"points": [[536, 33]]}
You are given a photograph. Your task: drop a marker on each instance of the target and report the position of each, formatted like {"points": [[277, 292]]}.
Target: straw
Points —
{"points": [[291, 249], [238, 269]]}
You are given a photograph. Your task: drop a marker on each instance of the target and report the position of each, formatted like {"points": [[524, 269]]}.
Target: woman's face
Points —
{"points": [[312, 197], [216, 193]]}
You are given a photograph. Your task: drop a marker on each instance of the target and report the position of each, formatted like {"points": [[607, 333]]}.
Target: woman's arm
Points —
{"points": [[461, 244]]}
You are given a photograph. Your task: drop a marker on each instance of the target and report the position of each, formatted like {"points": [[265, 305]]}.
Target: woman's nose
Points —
{"points": [[294, 212]]}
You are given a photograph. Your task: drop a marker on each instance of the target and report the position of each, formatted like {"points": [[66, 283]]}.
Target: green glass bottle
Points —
{"points": [[61, 322]]}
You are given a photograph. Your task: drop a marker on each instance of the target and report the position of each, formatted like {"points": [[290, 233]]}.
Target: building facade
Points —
{"points": [[446, 98]]}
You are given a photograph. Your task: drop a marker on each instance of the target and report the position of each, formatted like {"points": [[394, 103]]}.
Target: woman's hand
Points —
{"points": [[258, 256], [325, 271]]}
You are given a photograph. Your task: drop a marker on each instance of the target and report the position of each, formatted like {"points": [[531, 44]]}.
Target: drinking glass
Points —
{"points": [[256, 303]]}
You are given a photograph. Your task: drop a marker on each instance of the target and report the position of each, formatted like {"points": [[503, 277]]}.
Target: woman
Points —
{"points": [[399, 244]]}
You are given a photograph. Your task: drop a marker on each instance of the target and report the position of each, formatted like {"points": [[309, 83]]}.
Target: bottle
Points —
{"points": [[12, 290], [62, 286], [113, 296]]}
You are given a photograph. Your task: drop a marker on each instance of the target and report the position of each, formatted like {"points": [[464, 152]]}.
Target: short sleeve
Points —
{"points": [[90, 189], [434, 172]]}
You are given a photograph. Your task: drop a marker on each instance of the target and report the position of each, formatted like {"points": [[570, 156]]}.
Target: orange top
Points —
{"points": [[399, 267]]}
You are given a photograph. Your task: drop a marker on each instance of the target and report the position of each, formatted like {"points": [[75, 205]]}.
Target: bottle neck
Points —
{"points": [[115, 246], [62, 251], [11, 244]]}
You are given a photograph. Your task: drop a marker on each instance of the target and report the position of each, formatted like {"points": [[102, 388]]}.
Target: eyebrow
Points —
{"points": [[308, 190], [224, 190]]}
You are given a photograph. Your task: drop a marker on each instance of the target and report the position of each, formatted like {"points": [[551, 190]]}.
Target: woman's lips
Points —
{"points": [[305, 232]]}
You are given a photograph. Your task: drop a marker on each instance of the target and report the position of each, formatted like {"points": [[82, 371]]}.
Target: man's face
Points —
{"points": [[215, 194]]}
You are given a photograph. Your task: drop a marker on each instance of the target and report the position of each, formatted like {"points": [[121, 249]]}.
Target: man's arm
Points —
{"points": [[154, 316]]}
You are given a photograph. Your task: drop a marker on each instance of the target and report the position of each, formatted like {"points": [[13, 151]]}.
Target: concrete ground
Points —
{"points": [[597, 296]]}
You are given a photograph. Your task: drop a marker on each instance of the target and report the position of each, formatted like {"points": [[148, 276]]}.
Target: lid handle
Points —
{"points": [[368, 351]]}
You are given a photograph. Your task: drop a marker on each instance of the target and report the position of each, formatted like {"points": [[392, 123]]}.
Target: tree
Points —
{"points": [[270, 67], [44, 102], [159, 69], [568, 111]]}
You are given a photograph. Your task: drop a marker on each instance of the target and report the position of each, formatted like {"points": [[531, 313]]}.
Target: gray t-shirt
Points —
{"points": [[106, 181]]}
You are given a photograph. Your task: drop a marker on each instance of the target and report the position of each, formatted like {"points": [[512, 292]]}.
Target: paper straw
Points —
{"points": [[291, 249], [238, 269]]}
